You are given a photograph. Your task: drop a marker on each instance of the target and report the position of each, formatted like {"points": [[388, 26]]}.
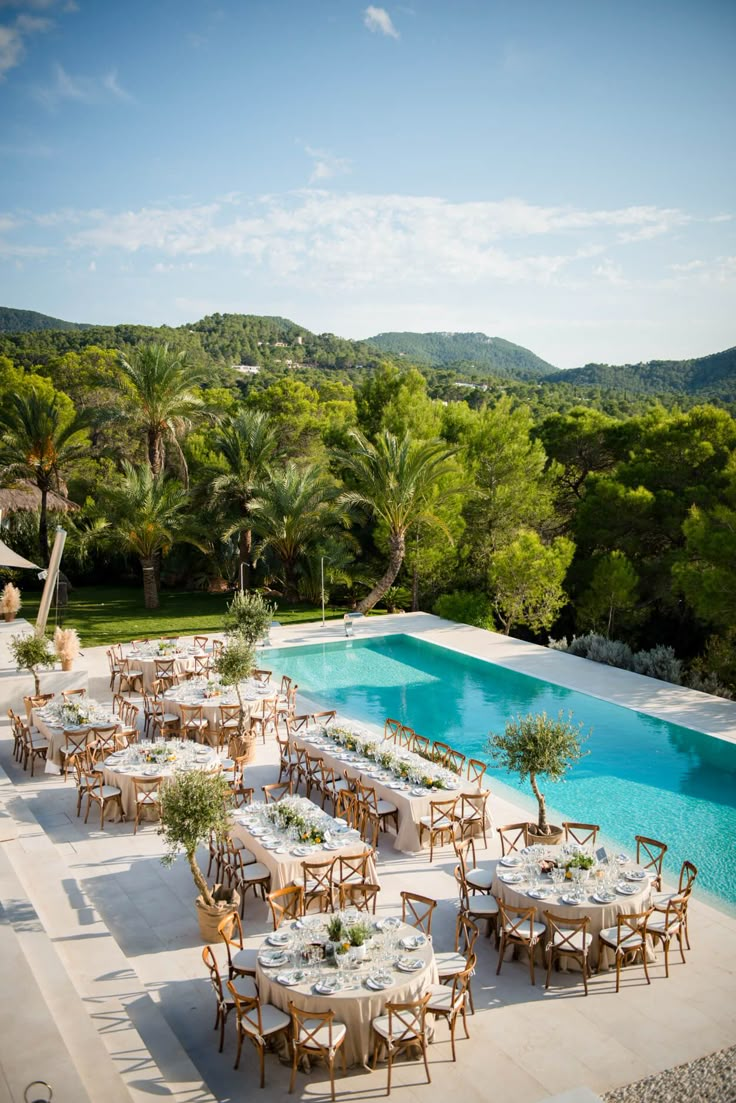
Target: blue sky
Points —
{"points": [[556, 172]]}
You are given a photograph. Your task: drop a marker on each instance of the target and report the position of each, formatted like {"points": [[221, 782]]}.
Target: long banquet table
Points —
{"points": [[285, 865], [354, 1001], [412, 804]]}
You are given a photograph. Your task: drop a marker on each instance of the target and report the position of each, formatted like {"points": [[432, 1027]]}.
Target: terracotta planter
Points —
{"points": [[227, 902], [552, 839], [9, 616]]}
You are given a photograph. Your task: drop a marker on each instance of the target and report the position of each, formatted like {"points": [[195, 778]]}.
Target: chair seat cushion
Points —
{"points": [[449, 962], [380, 1025], [479, 878], [610, 936], [571, 941], [247, 857], [656, 923], [245, 987], [482, 905], [441, 823], [321, 1036], [538, 929], [255, 871], [271, 1020], [386, 808], [109, 791], [662, 899], [440, 998], [245, 961]]}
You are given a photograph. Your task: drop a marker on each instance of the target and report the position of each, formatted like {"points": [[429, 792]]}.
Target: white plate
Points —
{"points": [[290, 979], [511, 878], [626, 889], [379, 984], [539, 894], [327, 987], [413, 942], [571, 901], [636, 875], [271, 958], [301, 851], [409, 964], [332, 846], [279, 938], [600, 899], [510, 861]]}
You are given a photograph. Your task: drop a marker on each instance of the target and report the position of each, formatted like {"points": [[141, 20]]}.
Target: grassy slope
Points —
{"points": [[105, 615]]}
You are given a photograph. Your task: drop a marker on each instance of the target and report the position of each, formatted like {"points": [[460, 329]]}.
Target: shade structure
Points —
{"points": [[9, 558]]}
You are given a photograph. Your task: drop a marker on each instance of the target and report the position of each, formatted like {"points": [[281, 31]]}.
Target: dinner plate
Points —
{"points": [[419, 792], [271, 845], [409, 964], [511, 878], [396, 785], [279, 938], [510, 861], [601, 898], [626, 889], [636, 875], [413, 942], [332, 846], [539, 894], [571, 901], [290, 979], [271, 958], [379, 983], [327, 987], [390, 923], [301, 851]]}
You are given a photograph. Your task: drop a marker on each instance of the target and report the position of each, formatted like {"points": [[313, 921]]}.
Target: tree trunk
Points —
{"points": [[155, 451], [200, 881], [245, 557], [150, 588], [291, 590], [542, 805], [37, 680], [397, 548], [43, 526], [415, 578]]}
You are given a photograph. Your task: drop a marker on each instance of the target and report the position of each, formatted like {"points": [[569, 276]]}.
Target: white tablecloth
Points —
{"points": [[129, 765]]}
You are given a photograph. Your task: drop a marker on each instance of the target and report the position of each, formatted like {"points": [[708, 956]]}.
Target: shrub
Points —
{"points": [[249, 615], [465, 607], [601, 650], [397, 598], [29, 653], [661, 663]]}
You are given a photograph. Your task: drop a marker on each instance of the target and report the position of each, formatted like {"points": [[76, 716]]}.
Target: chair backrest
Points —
{"points": [[474, 804], [229, 712], [286, 903], [318, 878], [417, 911], [368, 796], [313, 1030], [295, 724], [352, 867], [276, 791], [357, 894], [407, 1021], [391, 730], [67, 693], [346, 806], [466, 932], [285, 685], [215, 979], [230, 930], [675, 914], [201, 641], [440, 811], [165, 668], [262, 676], [75, 741], [517, 922], [688, 873], [465, 850], [248, 1010], [323, 718], [440, 751], [476, 770], [405, 737], [631, 923], [105, 736], [650, 853], [461, 983], [455, 761], [146, 790], [217, 648], [581, 833], [514, 836], [202, 665], [563, 933], [421, 745], [190, 714]]}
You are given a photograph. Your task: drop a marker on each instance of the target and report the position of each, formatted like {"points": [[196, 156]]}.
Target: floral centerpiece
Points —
{"points": [[160, 752], [167, 647], [297, 813], [74, 714], [212, 688], [403, 764]]}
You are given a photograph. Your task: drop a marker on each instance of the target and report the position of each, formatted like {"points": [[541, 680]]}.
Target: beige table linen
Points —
{"points": [[57, 740], [287, 868], [601, 916], [123, 773], [192, 695], [355, 1007], [411, 809]]}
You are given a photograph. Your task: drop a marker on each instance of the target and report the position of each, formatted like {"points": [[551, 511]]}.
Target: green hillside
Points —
{"points": [[706, 377], [473, 351], [30, 321]]}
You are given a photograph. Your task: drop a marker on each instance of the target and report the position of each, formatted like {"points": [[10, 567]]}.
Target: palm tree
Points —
{"points": [[294, 511], [149, 515], [246, 443], [400, 483], [161, 384], [40, 439]]}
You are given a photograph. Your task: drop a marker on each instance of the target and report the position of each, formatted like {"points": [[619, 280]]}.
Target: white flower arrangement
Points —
{"points": [[403, 764]]}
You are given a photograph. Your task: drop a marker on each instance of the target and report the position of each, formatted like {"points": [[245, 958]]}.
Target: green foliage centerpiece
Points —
{"points": [[193, 809], [538, 744]]}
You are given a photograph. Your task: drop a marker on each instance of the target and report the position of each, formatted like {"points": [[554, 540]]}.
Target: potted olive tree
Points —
{"points": [[30, 652], [10, 602], [234, 664], [249, 615], [193, 809], [538, 744]]}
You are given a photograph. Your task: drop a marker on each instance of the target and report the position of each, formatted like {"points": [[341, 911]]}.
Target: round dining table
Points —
{"points": [[631, 893], [120, 768], [399, 965], [196, 692]]}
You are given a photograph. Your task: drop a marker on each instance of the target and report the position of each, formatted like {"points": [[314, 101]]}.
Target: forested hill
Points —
{"points": [[30, 321], [707, 377], [474, 351]]}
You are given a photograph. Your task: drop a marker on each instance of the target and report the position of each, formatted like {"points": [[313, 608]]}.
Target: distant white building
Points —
{"points": [[246, 369]]}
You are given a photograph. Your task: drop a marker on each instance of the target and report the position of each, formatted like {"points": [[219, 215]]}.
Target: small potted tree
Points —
{"points": [[10, 602], [31, 652], [249, 615], [538, 744], [193, 809], [234, 664], [66, 645]]}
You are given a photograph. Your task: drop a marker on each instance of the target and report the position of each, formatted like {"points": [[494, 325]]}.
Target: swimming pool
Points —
{"points": [[642, 775]]}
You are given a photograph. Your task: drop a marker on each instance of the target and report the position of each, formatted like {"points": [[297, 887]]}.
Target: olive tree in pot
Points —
{"points": [[31, 652], [234, 664], [538, 744], [249, 616], [193, 809]]}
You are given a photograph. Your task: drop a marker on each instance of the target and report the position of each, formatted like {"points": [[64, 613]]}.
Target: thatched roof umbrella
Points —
{"points": [[25, 495]]}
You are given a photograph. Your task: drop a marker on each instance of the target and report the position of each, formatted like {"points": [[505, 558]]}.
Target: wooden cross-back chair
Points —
{"points": [[417, 911]]}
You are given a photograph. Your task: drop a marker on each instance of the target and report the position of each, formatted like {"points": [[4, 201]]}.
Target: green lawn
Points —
{"points": [[108, 614]]}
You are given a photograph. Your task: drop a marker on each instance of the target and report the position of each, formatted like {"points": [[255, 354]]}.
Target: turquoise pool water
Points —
{"points": [[642, 776]]}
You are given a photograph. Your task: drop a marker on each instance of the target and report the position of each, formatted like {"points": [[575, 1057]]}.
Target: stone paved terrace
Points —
{"points": [[101, 945]]}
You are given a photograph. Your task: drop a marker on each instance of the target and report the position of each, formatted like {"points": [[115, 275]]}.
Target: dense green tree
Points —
{"points": [[707, 573], [162, 387], [396, 481], [41, 438], [246, 443], [526, 579], [611, 599]]}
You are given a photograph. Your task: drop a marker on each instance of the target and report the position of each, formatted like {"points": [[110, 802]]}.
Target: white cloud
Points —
{"points": [[92, 266], [326, 164], [81, 89], [378, 19], [12, 49], [719, 270], [611, 273]]}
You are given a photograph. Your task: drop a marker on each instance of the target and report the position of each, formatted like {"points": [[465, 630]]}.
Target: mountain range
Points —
{"points": [[255, 338]]}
